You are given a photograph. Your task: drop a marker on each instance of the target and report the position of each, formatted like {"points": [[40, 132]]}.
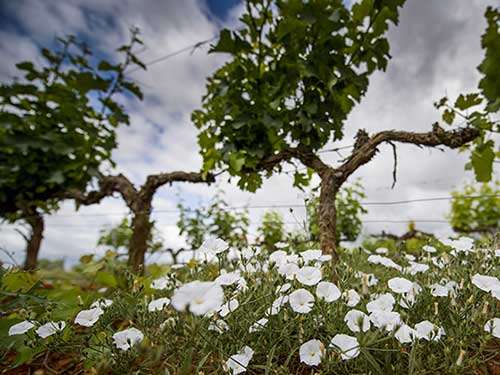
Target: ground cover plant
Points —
{"points": [[257, 312]]}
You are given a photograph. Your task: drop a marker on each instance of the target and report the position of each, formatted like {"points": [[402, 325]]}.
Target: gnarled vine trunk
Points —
{"points": [[327, 215], [141, 231], [35, 220]]}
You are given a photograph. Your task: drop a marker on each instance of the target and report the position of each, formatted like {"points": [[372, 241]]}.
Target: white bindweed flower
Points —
{"points": [[385, 319], [486, 283], [309, 275], [429, 249], [219, 326], [278, 303], [289, 270], [357, 321], [214, 245], [352, 297], [158, 304], [416, 268], [127, 338], [405, 334], [20, 328], [258, 325], [384, 302], [311, 352], [88, 318], [387, 262], [228, 278], [278, 257], [428, 331], [238, 363], [382, 250], [280, 289], [228, 307], [493, 326], [347, 345], [439, 290], [301, 301], [202, 297], [50, 328], [328, 291], [160, 283], [400, 285], [311, 255], [101, 303]]}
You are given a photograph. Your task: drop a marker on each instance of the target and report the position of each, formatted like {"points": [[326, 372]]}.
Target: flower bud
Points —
{"points": [[460, 358]]}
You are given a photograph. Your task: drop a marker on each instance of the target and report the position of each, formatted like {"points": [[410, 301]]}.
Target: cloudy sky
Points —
{"points": [[435, 50]]}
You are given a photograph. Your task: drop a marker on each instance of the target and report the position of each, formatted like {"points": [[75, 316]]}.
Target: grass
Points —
{"points": [[186, 345]]}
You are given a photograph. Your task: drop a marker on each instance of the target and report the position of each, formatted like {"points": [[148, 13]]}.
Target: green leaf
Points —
{"points": [[466, 101], [107, 279], [18, 281], [230, 43], [236, 161], [482, 161], [449, 116]]}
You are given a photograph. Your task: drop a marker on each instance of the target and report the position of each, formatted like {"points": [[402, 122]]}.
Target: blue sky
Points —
{"points": [[435, 51]]}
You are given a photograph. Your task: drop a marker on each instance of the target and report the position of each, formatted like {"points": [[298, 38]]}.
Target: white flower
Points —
{"points": [[328, 291], [214, 245], [497, 253], [50, 328], [247, 253], [20, 328], [311, 255], [429, 249], [237, 363], [258, 325], [309, 275], [348, 346], [371, 279], [486, 283], [219, 326], [378, 259], [385, 319], [493, 326], [202, 297], [405, 334], [384, 302], [228, 278], [311, 352], [289, 270], [416, 268], [283, 288], [410, 257], [160, 283], [88, 318], [280, 245], [228, 307], [278, 303], [400, 285], [158, 304], [293, 258], [357, 321], [301, 301], [127, 338], [168, 322], [382, 250], [352, 297], [439, 290], [278, 257], [428, 331], [101, 303]]}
